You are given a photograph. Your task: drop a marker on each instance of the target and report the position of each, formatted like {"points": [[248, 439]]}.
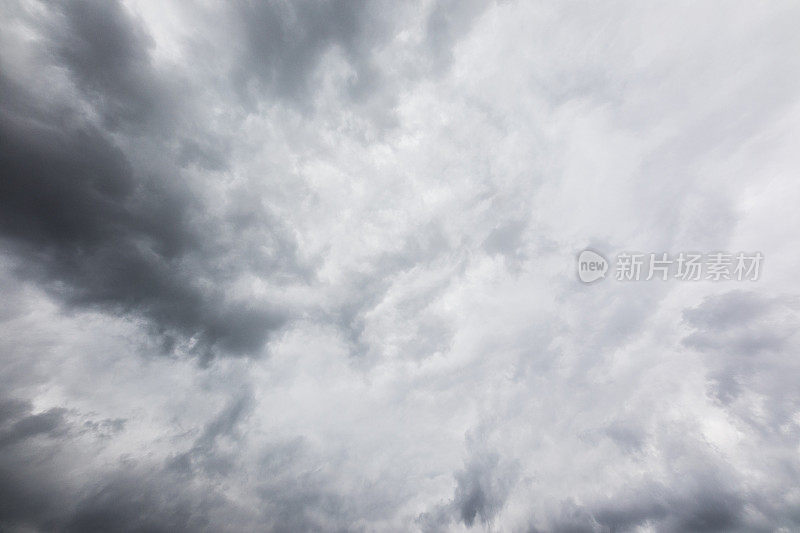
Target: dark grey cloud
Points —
{"points": [[733, 309], [446, 23], [704, 512], [284, 43], [481, 489], [50, 423], [108, 55], [698, 501], [27, 498], [186, 492], [102, 236], [744, 336], [134, 503], [95, 229], [131, 496], [104, 232]]}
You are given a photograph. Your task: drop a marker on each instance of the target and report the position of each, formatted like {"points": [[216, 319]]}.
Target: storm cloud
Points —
{"points": [[310, 266]]}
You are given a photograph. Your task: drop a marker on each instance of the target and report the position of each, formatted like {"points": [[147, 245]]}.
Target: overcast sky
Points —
{"points": [[294, 266]]}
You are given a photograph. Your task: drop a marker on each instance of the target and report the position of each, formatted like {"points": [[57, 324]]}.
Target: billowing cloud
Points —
{"points": [[288, 266]]}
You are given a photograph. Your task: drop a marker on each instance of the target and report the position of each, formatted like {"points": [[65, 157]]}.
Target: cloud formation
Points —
{"points": [[287, 266]]}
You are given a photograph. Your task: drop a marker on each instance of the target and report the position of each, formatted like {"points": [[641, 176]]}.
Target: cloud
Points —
{"points": [[101, 232], [477, 492], [744, 337], [482, 487], [18, 425], [73, 205], [108, 55], [310, 266], [285, 43]]}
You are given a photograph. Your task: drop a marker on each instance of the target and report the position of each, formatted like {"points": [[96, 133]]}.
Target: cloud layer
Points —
{"points": [[310, 266]]}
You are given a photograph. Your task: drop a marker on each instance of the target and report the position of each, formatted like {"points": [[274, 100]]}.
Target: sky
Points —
{"points": [[311, 266]]}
